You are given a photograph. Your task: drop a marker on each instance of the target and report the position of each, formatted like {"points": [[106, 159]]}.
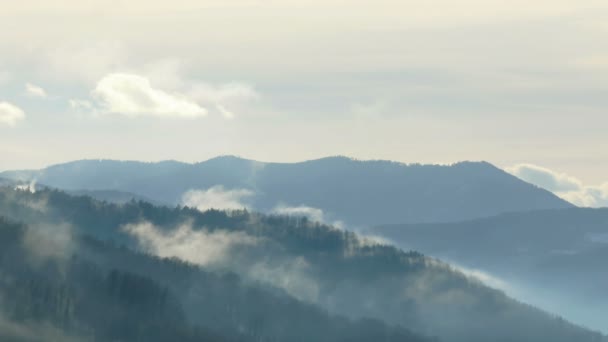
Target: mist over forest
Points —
{"points": [[303, 171], [110, 265]]}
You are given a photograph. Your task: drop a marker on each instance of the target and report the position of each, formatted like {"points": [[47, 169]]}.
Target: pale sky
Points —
{"points": [[433, 81]]}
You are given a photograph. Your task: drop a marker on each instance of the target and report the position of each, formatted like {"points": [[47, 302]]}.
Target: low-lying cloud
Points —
{"points": [[483, 277], [292, 275], [567, 187], [312, 213], [10, 114], [48, 242], [217, 198], [31, 187], [11, 330], [200, 247]]}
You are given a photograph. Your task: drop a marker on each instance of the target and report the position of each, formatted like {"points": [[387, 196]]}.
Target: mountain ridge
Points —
{"points": [[360, 193], [333, 269]]}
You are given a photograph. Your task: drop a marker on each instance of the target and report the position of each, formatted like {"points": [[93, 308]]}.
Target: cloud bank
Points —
{"points": [[49, 242], [223, 248], [567, 187], [10, 114], [312, 213], [31, 187], [199, 247], [217, 198]]}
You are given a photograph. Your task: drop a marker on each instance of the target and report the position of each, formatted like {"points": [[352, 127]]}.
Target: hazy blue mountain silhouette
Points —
{"points": [[566, 249], [358, 192], [288, 274]]}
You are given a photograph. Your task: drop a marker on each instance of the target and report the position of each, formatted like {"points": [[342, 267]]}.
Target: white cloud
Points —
{"points": [[200, 247], [545, 178], [133, 95], [219, 248], [10, 114], [567, 187], [589, 196], [35, 91], [217, 198], [169, 73], [482, 276], [292, 275], [48, 241], [314, 214], [31, 187]]}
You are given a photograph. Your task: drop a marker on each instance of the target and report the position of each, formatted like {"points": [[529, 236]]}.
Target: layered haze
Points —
{"points": [[358, 193], [320, 170], [432, 82]]}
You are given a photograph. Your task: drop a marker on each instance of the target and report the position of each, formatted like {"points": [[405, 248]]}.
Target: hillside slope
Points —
{"points": [[564, 248], [313, 263]]}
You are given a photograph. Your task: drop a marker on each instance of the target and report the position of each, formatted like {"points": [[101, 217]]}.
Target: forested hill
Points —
{"points": [[566, 248], [356, 192], [257, 277], [99, 292]]}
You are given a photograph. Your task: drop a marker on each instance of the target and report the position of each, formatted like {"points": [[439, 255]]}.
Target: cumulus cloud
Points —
{"points": [[217, 198], [10, 114], [169, 74], [133, 95], [567, 187], [163, 94], [200, 247], [35, 91]]}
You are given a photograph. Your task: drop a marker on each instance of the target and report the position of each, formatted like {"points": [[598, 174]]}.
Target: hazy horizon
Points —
{"points": [[402, 249], [433, 82], [565, 186]]}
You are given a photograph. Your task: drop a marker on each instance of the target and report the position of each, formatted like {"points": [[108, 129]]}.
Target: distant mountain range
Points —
{"points": [[552, 258], [73, 269], [360, 193]]}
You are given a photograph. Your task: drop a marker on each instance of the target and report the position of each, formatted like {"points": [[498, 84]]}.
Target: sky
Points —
{"points": [[436, 81]]}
